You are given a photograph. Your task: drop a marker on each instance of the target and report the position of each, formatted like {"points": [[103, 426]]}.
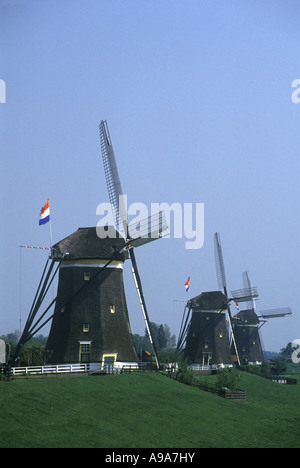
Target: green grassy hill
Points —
{"points": [[145, 410]]}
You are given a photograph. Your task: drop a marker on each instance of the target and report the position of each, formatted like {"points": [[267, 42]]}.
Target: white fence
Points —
{"points": [[61, 369]]}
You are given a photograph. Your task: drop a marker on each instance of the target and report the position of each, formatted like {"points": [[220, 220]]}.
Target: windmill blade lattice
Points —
{"points": [[220, 268], [113, 182]]}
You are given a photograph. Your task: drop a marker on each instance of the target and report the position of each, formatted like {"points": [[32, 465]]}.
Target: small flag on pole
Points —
{"points": [[45, 214], [237, 306], [187, 285]]}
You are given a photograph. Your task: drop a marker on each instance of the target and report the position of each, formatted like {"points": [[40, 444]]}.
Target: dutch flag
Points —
{"points": [[187, 285], [45, 214]]}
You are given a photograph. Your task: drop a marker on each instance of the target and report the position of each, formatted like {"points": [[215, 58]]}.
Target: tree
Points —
{"points": [[11, 337], [170, 339], [161, 338], [278, 366], [287, 351]]}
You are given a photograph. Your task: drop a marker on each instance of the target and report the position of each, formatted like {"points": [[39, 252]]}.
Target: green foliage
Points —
{"points": [[35, 355], [263, 371], [278, 366], [168, 355], [184, 374], [161, 335], [228, 378], [14, 337]]}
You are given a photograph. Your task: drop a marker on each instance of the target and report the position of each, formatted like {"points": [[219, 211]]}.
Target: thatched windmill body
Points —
{"points": [[91, 323], [204, 339]]}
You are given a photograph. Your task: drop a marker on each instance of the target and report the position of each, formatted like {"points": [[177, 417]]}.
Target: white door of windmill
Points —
{"points": [[84, 351]]}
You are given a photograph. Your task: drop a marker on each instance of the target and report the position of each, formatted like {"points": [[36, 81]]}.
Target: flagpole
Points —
{"points": [[50, 230]]}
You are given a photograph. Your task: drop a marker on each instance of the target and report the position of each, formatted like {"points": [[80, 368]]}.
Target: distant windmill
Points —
{"points": [[246, 325], [204, 337], [242, 295]]}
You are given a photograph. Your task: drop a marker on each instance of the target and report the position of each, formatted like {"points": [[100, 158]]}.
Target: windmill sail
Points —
{"points": [[244, 295], [276, 313], [247, 285], [113, 182], [148, 229], [137, 234], [222, 283], [220, 268]]}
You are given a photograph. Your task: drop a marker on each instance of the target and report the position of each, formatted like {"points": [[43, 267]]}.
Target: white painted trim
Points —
{"points": [[91, 264]]}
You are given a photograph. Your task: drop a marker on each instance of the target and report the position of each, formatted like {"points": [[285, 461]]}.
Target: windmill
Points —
{"points": [[240, 295], [204, 337], [90, 321], [246, 325]]}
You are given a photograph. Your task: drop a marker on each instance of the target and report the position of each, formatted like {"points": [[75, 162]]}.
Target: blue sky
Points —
{"points": [[197, 95]]}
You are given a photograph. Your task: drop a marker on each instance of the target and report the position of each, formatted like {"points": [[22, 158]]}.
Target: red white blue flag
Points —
{"points": [[45, 214], [187, 285], [237, 306]]}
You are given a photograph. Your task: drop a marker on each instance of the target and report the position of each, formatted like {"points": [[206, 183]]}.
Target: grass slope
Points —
{"points": [[145, 410]]}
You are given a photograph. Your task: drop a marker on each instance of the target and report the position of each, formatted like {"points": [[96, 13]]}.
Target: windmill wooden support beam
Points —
{"points": [[32, 326]]}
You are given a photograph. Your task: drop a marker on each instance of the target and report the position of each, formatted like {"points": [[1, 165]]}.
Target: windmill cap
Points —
{"points": [[213, 300], [85, 244]]}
